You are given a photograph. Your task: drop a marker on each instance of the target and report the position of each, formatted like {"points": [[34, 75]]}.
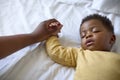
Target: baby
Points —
{"points": [[93, 61]]}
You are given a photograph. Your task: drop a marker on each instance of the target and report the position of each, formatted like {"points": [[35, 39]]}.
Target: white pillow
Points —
{"points": [[110, 6]]}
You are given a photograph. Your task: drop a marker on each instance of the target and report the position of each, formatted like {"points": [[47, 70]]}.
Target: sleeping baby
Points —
{"points": [[93, 60]]}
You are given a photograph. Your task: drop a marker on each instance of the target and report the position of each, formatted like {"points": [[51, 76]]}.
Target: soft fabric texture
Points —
{"points": [[90, 65], [23, 16], [109, 6], [69, 1]]}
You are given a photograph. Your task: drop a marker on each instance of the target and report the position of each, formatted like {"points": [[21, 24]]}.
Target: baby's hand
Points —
{"points": [[46, 29], [55, 25]]}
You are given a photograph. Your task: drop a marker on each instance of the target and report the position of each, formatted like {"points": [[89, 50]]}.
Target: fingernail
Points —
{"points": [[50, 25]]}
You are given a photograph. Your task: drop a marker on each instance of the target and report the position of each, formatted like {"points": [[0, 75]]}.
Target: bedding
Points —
{"points": [[32, 62], [108, 6]]}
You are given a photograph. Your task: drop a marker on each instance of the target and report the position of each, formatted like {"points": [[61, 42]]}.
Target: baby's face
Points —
{"points": [[94, 36]]}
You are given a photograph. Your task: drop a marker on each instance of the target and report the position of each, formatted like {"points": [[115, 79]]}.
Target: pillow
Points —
{"points": [[109, 6]]}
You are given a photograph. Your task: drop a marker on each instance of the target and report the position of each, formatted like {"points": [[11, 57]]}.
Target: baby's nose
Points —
{"points": [[89, 34]]}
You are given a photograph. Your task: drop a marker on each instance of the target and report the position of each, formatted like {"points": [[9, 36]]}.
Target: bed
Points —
{"points": [[22, 16]]}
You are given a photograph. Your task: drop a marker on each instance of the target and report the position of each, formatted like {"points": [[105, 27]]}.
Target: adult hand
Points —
{"points": [[46, 29]]}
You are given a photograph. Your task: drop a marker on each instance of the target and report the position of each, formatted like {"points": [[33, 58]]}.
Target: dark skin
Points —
{"points": [[13, 43], [94, 36]]}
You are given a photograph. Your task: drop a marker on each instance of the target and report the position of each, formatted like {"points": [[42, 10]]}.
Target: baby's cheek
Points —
{"points": [[82, 42]]}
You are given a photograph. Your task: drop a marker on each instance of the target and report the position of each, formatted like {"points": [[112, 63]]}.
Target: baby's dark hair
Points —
{"points": [[105, 21]]}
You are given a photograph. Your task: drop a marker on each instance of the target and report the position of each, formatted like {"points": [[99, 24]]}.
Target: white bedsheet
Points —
{"points": [[32, 62]]}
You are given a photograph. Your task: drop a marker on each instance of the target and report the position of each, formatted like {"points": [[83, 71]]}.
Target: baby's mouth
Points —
{"points": [[89, 42]]}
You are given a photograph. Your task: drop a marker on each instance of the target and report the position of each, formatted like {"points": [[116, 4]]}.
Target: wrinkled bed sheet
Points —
{"points": [[32, 62]]}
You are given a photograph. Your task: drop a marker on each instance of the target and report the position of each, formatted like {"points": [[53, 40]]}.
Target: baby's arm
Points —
{"points": [[65, 56]]}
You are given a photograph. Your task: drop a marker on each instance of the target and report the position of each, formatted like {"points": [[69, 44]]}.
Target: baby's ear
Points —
{"points": [[113, 39]]}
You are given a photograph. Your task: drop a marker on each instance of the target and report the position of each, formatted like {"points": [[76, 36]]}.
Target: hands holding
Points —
{"points": [[46, 29]]}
